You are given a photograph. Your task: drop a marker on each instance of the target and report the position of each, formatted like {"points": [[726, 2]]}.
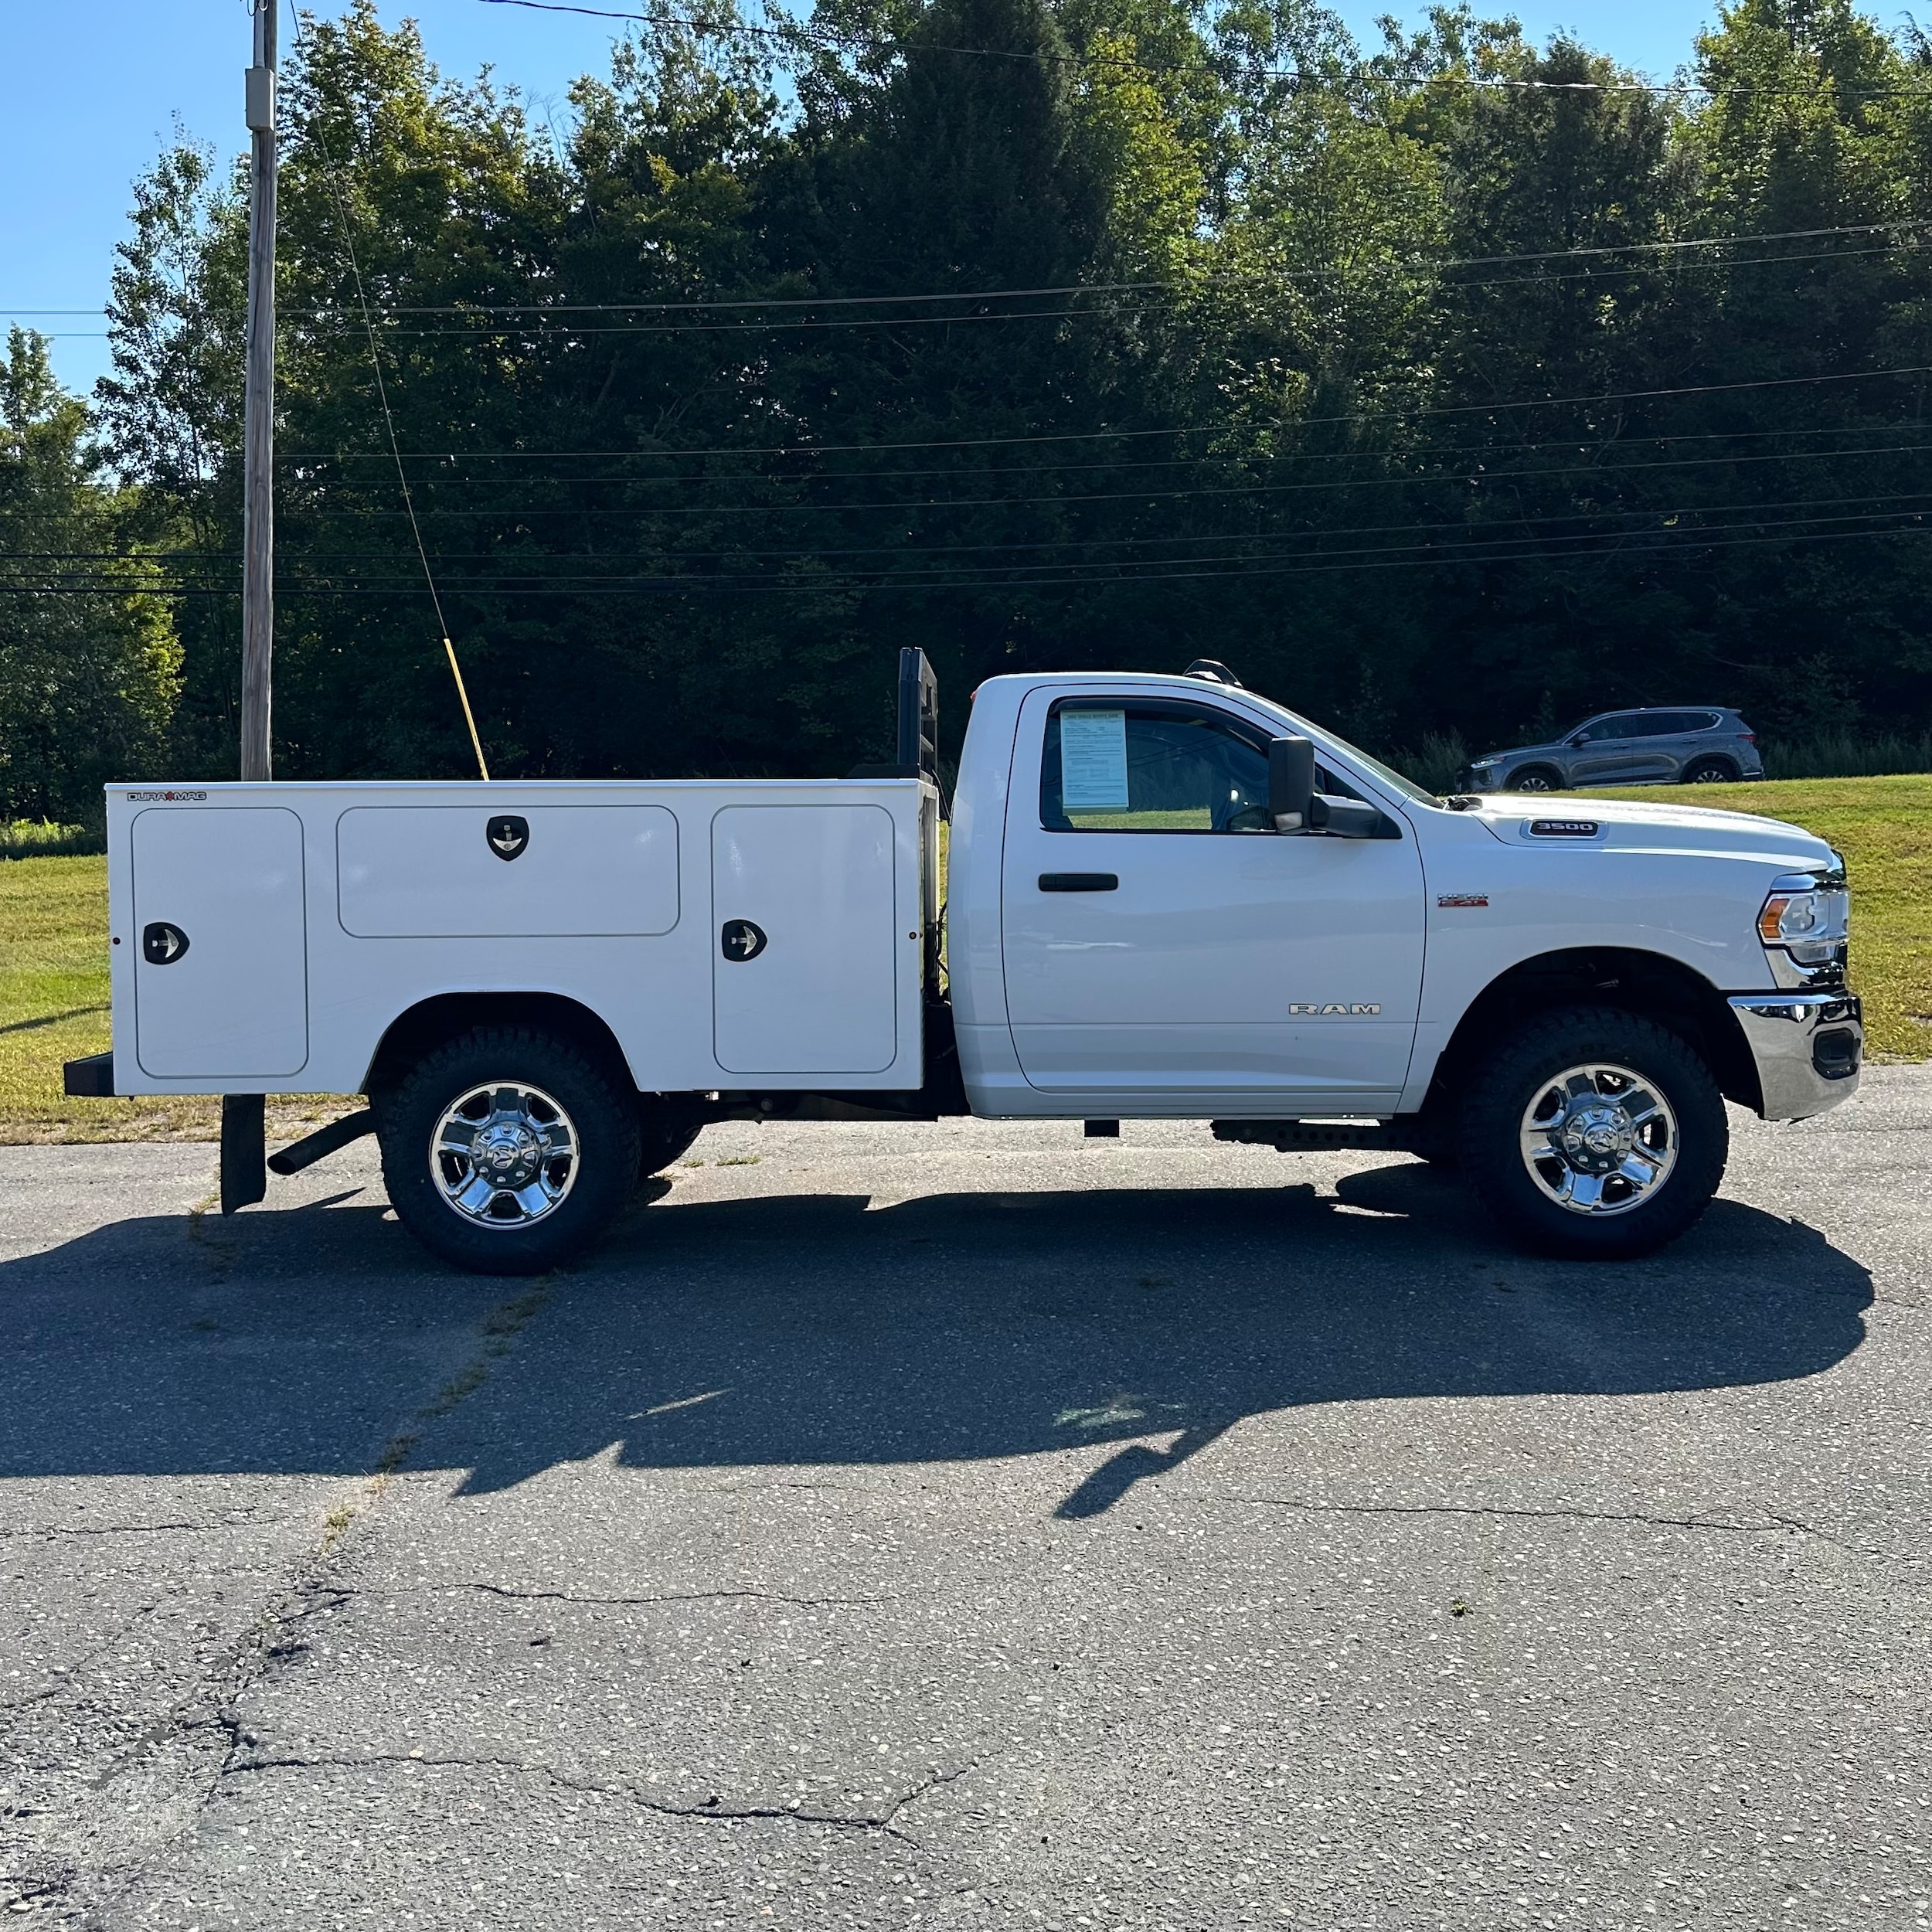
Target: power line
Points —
{"points": [[1469, 453], [1481, 537], [1090, 436], [543, 329], [910, 505], [804, 31], [1471, 458], [1385, 480], [1091, 289], [681, 586]]}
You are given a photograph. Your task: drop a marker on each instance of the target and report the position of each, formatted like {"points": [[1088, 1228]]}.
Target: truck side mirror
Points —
{"points": [[1346, 817], [1291, 782]]}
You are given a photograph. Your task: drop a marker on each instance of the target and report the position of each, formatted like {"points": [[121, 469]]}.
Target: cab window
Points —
{"points": [[1151, 765]]}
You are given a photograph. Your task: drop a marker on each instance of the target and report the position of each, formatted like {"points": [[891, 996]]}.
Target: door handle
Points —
{"points": [[162, 943], [1079, 882]]}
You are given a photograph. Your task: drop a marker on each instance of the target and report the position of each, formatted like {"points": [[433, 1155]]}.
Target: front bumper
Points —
{"points": [[1807, 1047]]}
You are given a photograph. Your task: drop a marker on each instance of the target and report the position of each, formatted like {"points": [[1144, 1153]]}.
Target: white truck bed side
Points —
{"points": [[267, 937]]}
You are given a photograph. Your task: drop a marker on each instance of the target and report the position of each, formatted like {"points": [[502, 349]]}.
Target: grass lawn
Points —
{"points": [[1883, 826], [53, 1007], [53, 958]]}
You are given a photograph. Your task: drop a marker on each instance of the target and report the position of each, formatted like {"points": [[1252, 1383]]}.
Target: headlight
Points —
{"points": [[1483, 765], [1806, 916]]}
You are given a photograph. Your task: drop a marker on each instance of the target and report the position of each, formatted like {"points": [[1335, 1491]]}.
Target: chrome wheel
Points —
{"points": [[503, 1156], [1599, 1140]]}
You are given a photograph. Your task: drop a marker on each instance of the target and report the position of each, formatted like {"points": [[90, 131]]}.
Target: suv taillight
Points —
{"points": [[1750, 737]]}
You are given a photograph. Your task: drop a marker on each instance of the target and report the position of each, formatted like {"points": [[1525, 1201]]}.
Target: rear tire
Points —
{"points": [[1536, 778], [1633, 1176], [1710, 771], [665, 1131], [508, 1150]]}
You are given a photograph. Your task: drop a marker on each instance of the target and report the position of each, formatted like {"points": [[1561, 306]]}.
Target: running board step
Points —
{"points": [[1303, 1137]]}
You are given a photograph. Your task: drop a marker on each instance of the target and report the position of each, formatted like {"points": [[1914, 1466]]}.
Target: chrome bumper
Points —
{"points": [[1808, 1048]]}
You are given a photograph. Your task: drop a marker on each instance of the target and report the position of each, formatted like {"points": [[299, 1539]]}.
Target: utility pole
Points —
{"points": [[244, 1170], [258, 433]]}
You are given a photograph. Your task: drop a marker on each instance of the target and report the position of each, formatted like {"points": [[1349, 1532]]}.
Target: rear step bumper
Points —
{"points": [[91, 1079]]}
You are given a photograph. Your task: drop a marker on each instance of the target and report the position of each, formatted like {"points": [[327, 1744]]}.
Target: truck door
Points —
{"points": [[221, 986], [1160, 939]]}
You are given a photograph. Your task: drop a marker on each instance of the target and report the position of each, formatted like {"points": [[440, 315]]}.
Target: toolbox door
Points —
{"points": [[804, 951], [221, 982]]}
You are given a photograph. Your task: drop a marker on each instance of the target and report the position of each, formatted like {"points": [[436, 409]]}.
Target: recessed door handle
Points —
{"points": [[1079, 882], [162, 943]]}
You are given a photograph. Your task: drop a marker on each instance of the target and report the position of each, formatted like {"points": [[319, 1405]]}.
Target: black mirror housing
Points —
{"points": [[1346, 817], [1291, 783]]}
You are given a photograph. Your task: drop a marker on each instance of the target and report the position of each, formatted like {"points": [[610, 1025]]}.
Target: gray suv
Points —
{"points": [[1707, 745]]}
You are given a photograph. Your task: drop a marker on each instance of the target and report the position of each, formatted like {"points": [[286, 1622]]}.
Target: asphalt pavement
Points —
{"points": [[969, 1526]]}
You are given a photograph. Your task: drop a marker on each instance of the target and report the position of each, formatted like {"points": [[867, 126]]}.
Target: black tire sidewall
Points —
{"points": [[600, 1107], [1710, 771], [1554, 778], [663, 1135], [1503, 1087]]}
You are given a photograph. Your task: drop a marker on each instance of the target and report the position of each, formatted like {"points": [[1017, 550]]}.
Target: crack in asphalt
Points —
{"points": [[674, 1597], [1826, 1536], [247, 1521], [791, 1813], [214, 1705], [1497, 1510]]}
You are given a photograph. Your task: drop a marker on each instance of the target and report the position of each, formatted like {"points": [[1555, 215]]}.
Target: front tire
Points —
{"points": [[1594, 1134], [508, 1150], [1536, 778]]}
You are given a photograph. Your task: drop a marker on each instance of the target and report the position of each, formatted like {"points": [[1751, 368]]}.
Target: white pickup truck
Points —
{"points": [[1169, 897]]}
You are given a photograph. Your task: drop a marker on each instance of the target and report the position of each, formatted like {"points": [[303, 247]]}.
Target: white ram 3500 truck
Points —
{"points": [[1169, 898]]}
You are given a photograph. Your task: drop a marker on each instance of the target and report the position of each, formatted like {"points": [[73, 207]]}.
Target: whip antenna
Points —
{"points": [[389, 420]]}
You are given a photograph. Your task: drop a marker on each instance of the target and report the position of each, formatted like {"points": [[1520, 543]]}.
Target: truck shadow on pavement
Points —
{"points": [[790, 1330]]}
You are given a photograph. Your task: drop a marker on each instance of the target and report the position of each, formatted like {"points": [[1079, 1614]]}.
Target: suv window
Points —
{"points": [[1625, 725], [1684, 722], [1150, 764]]}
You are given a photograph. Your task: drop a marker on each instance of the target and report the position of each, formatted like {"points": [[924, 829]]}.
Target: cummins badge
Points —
{"points": [[508, 835]]}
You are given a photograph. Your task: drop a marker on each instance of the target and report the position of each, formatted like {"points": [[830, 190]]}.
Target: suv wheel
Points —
{"points": [[1594, 1134], [1709, 771], [508, 1150], [1536, 778]]}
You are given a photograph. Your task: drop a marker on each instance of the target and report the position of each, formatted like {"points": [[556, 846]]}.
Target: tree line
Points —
{"points": [[1448, 389]]}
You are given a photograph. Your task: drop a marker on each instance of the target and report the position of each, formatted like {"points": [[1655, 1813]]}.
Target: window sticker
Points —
{"points": [[1094, 761]]}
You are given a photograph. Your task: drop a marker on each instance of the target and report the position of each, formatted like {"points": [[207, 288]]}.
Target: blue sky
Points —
{"points": [[95, 89]]}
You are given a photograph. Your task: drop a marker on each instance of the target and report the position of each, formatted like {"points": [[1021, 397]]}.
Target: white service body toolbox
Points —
{"points": [[264, 937]]}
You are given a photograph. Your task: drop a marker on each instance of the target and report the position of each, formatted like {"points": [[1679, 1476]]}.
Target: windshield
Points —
{"points": [[1387, 773]]}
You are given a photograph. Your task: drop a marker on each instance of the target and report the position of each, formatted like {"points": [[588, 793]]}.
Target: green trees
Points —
{"points": [[1448, 387], [88, 675]]}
